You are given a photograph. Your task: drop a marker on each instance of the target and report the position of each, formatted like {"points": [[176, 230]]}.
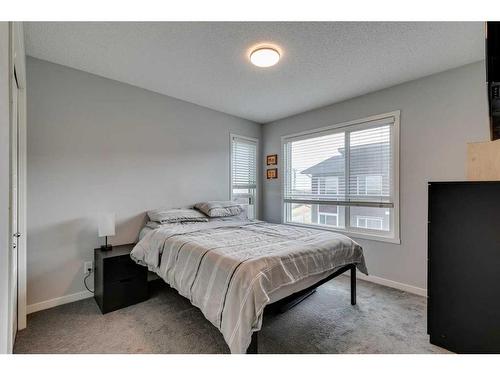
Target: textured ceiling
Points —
{"points": [[207, 62]]}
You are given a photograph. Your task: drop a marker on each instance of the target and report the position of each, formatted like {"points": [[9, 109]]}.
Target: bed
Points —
{"points": [[232, 269]]}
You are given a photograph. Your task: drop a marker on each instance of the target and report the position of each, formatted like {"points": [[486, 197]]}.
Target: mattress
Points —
{"points": [[232, 270]]}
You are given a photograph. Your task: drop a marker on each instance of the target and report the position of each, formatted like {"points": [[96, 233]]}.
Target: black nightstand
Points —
{"points": [[118, 280]]}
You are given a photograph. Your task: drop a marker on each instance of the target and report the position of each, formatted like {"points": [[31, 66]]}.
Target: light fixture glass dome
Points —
{"points": [[264, 57]]}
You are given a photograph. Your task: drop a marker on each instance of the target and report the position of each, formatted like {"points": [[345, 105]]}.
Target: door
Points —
{"points": [[14, 230]]}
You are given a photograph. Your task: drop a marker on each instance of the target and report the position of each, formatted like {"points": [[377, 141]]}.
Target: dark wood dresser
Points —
{"points": [[464, 266], [118, 280]]}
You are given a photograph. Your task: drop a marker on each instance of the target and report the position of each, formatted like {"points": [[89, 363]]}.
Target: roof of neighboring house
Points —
{"points": [[336, 164]]}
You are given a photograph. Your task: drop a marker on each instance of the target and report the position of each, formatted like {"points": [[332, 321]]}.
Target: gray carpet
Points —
{"points": [[384, 321]]}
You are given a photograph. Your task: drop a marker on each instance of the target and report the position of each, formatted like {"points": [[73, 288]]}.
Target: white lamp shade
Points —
{"points": [[106, 225]]}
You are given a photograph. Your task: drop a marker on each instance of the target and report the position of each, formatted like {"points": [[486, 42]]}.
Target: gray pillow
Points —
{"points": [[219, 208], [176, 215]]}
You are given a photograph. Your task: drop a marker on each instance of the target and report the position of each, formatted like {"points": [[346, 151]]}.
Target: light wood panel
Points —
{"points": [[483, 161]]}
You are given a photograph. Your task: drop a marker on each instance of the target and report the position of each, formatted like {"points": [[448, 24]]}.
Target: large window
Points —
{"points": [[244, 172], [345, 178]]}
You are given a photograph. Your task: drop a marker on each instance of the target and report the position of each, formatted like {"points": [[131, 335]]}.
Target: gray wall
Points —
{"points": [[439, 115], [99, 145]]}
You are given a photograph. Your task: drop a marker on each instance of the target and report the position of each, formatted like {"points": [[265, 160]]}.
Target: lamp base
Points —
{"points": [[106, 247]]}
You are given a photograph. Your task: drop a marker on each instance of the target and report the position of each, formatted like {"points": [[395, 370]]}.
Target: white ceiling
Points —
{"points": [[207, 62]]}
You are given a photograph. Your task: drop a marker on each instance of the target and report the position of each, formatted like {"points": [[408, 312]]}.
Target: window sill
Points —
{"points": [[363, 236]]}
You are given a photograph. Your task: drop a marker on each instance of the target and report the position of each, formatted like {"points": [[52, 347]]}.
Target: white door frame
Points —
{"points": [[13, 209], [17, 119], [11, 54], [4, 186], [19, 62]]}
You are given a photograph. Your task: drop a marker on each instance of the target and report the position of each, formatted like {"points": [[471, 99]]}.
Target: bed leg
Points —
{"points": [[253, 347], [353, 285]]}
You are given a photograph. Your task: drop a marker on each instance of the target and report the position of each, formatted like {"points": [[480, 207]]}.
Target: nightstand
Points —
{"points": [[118, 280]]}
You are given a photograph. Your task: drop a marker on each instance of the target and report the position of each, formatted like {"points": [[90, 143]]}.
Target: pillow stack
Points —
{"points": [[202, 213], [215, 209]]}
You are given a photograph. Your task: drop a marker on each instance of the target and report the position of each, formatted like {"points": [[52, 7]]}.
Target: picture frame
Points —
{"points": [[272, 173], [272, 159]]}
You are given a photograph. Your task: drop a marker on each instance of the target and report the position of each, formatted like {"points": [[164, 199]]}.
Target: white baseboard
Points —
{"points": [[85, 294], [58, 301], [391, 284]]}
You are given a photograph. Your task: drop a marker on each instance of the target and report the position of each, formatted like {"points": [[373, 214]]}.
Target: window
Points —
{"points": [[244, 172], [345, 178]]}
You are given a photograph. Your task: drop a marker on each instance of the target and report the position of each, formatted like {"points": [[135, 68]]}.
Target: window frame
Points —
{"points": [[394, 235], [257, 169]]}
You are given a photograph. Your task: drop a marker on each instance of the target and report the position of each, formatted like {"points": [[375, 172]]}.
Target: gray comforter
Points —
{"points": [[229, 269]]}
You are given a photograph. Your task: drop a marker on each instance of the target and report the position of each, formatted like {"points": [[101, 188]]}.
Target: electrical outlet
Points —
{"points": [[87, 266]]}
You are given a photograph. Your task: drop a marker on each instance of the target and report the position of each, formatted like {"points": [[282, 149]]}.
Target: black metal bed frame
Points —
{"points": [[288, 302]]}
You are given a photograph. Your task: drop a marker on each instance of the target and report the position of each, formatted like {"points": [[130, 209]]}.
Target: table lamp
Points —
{"points": [[106, 227]]}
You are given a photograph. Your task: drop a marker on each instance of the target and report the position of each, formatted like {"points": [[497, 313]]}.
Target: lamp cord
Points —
{"points": [[85, 281]]}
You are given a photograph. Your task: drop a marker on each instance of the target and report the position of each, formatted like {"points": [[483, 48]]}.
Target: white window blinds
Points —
{"points": [[349, 169], [244, 172], [244, 162]]}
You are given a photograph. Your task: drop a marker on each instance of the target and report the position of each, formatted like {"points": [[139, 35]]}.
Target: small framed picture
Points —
{"points": [[272, 173], [272, 159]]}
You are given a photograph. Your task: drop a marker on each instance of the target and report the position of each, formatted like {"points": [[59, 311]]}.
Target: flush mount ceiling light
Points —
{"points": [[264, 57]]}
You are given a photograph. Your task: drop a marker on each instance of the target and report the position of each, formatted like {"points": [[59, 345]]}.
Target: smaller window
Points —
{"points": [[244, 173]]}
